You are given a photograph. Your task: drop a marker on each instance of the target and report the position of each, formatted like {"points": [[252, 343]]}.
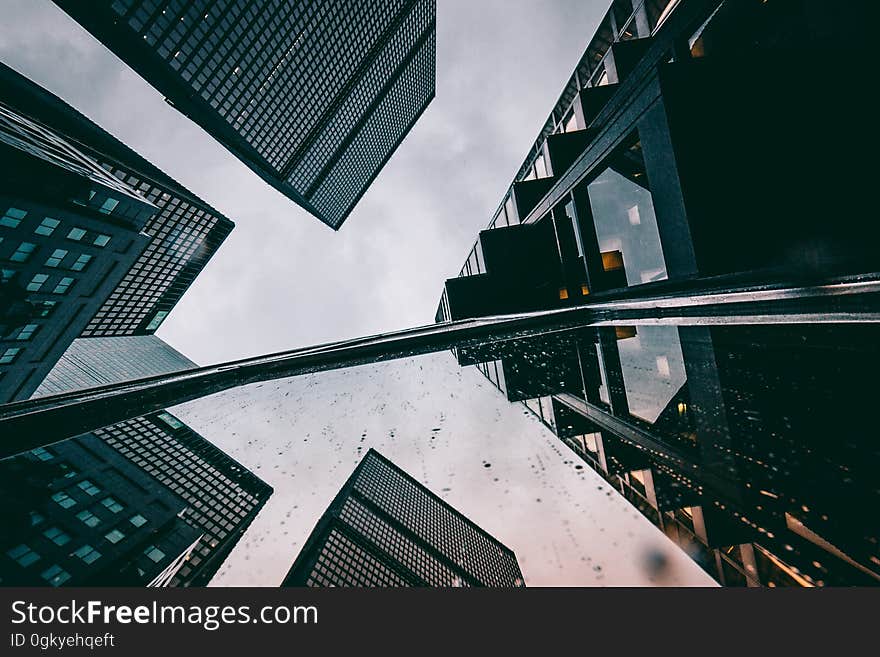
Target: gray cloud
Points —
{"points": [[282, 279]]}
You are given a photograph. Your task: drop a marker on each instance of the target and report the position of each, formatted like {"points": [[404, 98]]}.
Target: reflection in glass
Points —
{"points": [[626, 226], [653, 371]]}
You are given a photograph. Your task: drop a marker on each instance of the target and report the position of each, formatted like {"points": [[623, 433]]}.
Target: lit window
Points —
{"points": [[55, 575], [63, 500], [89, 518], [157, 320], [170, 420], [108, 206], [89, 487], [23, 555], [37, 282], [23, 252], [112, 504], [63, 285], [55, 259], [12, 217], [114, 536], [9, 355], [42, 454], [154, 554], [81, 262], [76, 234], [57, 535], [45, 308], [87, 553], [27, 331], [102, 240], [47, 226], [138, 520]]}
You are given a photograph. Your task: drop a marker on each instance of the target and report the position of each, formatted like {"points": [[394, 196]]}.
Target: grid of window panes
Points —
{"points": [[362, 157], [90, 362], [221, 494], [260, 63], [437, 524], [415, 27], [79, 528], [397, 546], [47, 259], [181, 231], [342, 562]]}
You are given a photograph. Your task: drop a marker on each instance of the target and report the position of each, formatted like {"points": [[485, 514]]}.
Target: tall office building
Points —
{"points": [[79, 514], [386, 529], [95, 241], [91, 362], [657, 183], [312, 96], [221, 496]]}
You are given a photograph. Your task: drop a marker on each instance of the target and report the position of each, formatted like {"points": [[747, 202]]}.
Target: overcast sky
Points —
{"points": [[283, 279]]}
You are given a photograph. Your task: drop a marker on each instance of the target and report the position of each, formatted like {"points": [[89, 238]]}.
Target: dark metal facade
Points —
{"points": [[79, 514], [689, 154], [386, 529], [222, 496], [313, 96]]}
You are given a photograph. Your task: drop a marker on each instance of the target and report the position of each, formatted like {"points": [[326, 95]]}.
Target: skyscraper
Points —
{"points": [[312, 96], [220, 496], [79, 514], [112, 263], [386, 529], [91, 362], [656, 188]]}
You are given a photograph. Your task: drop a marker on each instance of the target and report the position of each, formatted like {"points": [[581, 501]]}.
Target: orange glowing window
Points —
{"points": [[563, 293], [612, 260], [584, 290]]}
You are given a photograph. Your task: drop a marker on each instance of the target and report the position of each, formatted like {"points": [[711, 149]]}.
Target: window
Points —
{"points": [[138, 520], [76, 234], [23, 555], [170, 420], [64, 500], [9, 355], [23, 252], [108, 206], [55, 259], [81, 262], [102, 240], [154, 554], [12, 217], [43, 454], [89, 487], [44, 308], [27, 331], [89, 518], [114, 536], [57, 536], [157, 320], [112, 504], [63, 285], [55, 575], [37, 282], [87, 553], [626, 226], [47, 226]]}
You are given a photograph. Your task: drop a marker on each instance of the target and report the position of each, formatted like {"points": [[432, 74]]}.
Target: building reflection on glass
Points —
{"points": [[752, 447]]}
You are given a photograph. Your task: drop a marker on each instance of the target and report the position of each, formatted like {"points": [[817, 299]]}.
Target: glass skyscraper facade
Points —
{"points": [[386, 529], [313, 96], [79, 514], [635, 203]]}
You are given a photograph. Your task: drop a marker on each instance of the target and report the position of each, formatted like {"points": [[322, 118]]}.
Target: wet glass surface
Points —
{"points": [[620, 454]]}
